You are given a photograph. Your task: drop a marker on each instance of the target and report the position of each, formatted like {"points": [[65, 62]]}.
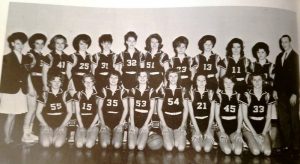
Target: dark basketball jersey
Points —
{"points": [[54, 111], [257, 109], [81, 65], [183, 66], [156, 63], [36, 61], [141, 104], [206, 67], [112, 108], [105, 63], [130, 64], [229, 107], [238, 69], [155, 66], [265, 69], [56, 62], [172, 107], [88, 107]]}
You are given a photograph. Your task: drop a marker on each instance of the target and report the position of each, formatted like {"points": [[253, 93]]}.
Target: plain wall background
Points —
{"points": [[251, 24]]}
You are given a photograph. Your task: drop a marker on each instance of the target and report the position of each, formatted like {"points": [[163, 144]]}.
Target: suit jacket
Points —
{"points": [[287, 75], [14, 75]]}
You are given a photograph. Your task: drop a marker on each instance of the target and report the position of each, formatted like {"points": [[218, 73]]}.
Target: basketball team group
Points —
{"points": [[109, 98]]}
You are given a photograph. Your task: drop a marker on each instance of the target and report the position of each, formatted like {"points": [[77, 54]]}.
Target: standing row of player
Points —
{"points": [[127, 65]]}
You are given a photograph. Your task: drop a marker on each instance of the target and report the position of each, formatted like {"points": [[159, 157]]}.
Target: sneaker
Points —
{"points": [[27, 138], [34, 137]]}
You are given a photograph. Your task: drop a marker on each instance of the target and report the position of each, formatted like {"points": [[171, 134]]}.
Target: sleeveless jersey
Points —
{"points": [[130, 64], [88, 107], [204, 66], [81, 65], [56, 62]]}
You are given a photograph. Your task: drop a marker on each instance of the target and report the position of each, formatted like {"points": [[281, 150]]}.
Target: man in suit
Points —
{"points": [[286, 91]]}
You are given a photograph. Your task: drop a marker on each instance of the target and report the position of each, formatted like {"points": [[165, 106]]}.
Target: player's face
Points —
{"points": [[173, 78], [143, 78], [228, 84], [113, 80], [201, 81], [261, 54], [236, 49], [39, 45], [154, 43], [131, 42], [88, 83], [106, 46], [181, 48], [285, 43], [17, 45], [60, 44], [208, 45], [55, 83], [82, 46], [257, 82]]}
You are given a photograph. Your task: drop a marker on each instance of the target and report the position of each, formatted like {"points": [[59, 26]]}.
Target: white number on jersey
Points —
{"points": [[182, 69], [87, 106], [258, 108], [104, 65], [171, 101], [150, 64], [236, 69], [141, 103], [230, 108], [111, 102], [61, 64], [55, 106], [84, 65], [131, 63], [207, 67], [201, 105]]}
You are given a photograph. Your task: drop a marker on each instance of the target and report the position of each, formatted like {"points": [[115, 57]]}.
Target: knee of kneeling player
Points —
{"points": [[131, 146], [117, 145], [267, 152], [255, 151], [181, 147], [45, 144], [207, 148], [79, 144], [227, 150], [169, 147], [237, 151]]}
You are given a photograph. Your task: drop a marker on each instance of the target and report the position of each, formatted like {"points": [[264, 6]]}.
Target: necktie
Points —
{"points": [[284, 57]]}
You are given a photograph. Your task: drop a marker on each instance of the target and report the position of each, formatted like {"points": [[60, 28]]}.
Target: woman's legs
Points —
{"points": [[168, 138], [252, 144], [80, 137], [117, 136], [105, 136], [46, 136], [132, 137], [59, 138], [224, 143], [8, 128], [180, 139], [237, 144], [28, 120], [92, 134], [196, 140], [142, 139]]}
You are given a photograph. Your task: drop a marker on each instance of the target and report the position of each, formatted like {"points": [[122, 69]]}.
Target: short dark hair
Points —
{"points": [[195, 79], [230, 45], [115, 73], [180, 40], [204, 39], [81, 37], [17, 36], [263, 77], [284, 36], [258, 46], [34, 37], [53, 75], [51, 45], [230, 77], [90, 75], [105, 38], [173, 70], [128, 35], [148, 41]]}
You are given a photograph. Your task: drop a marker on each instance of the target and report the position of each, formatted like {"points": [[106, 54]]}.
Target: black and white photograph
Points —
{"points": [[89, 82]]}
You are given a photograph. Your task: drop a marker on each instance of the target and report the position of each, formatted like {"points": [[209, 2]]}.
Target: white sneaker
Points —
{"points": [[27, 139], [34, 137], [72, 137]]}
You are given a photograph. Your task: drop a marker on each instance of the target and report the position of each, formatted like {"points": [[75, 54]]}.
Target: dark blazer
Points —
{"points": [[287, 76], [14, 75]]}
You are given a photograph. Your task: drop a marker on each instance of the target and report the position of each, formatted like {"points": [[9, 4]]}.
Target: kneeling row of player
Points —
{"points": [[109, 109]]}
